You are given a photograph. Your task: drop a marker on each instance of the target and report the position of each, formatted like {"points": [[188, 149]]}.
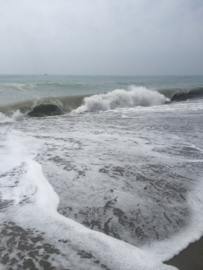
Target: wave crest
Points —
{"points": [[120, 98]]}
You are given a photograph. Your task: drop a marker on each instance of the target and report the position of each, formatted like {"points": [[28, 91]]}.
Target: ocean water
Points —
{"points": [[99, 172]]}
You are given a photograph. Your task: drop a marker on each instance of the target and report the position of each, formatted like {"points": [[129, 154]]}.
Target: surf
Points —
{"points": [[118, 98]]}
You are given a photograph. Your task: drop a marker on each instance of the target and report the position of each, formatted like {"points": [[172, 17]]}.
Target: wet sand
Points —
{"points": [[190, 258]]}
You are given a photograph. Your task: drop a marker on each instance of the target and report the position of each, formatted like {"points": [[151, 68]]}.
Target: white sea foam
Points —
{"points": [[5, 119], [17, 115], [32, 187], [120, 98]]}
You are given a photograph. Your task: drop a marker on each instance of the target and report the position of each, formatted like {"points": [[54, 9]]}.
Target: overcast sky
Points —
{"points": [[101, 37]]}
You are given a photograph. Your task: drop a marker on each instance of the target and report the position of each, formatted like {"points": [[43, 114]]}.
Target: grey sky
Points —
{"points": [[107, 37]]}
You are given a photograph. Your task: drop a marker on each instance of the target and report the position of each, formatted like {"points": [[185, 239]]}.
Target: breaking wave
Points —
{"points": [[182, 94], [119, 98], [137, 96], [47, 106]]}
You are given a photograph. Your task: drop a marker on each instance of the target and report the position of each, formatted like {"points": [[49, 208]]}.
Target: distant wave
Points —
{"points": [[19, 86], [119, 98]]}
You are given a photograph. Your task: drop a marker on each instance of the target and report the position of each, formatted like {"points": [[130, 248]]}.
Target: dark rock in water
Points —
{"points": [[45, 110]]}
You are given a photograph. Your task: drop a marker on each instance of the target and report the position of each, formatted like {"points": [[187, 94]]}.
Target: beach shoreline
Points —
{"points": [[191, 258]]}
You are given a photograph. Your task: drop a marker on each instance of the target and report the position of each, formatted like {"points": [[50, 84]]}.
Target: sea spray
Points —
{"points": [[120, 98]]}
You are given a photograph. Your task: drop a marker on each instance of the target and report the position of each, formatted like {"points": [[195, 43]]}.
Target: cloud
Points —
{"points": [[101, 37]]}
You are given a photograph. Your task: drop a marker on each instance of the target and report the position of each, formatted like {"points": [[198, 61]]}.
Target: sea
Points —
{"points": [[99, 172]]}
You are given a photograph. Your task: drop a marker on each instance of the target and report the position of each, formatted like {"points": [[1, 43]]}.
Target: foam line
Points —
{"points": [[116, 254], [40, 211]]}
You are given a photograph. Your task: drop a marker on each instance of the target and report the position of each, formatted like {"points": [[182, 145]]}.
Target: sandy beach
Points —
{"points": [[190, 258]]}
